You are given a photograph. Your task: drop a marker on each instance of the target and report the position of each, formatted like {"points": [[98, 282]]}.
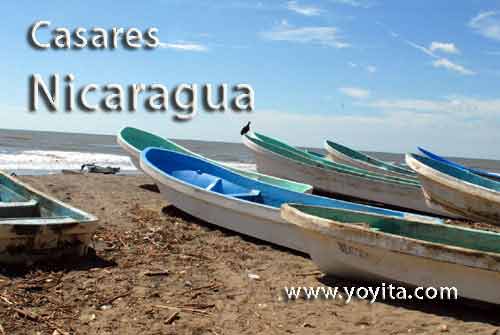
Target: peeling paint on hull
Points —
{"points": [[357, 251]]}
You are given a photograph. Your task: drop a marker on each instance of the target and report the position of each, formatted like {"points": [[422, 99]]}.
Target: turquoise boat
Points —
{"points": [[342, 154], [373, 246], [35, 226], [134, 140], [279, 159]]}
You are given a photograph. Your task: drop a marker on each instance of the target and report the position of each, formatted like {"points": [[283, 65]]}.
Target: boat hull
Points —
{"points": [[458, 197], [358, 253], [27, 245], [132, 152], [327, 180], [261, 222], [353, 260]]}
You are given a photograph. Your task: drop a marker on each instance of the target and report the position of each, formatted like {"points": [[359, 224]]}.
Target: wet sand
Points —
{"points": [[150, 257]]}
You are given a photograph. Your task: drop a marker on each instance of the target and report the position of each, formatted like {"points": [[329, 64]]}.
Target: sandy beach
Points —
{"points": [[156, 270]]}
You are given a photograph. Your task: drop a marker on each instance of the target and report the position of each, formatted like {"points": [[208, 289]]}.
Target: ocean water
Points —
{"points": [[40, 152]]}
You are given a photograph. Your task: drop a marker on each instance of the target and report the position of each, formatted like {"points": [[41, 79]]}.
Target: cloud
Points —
{"points": [[327, 36], [184, 46], [487, 24], [303, 9], [444, 47], [355, 92], [425, 50], [438, 47], [449, 65], [441, 62], [371, 68]]}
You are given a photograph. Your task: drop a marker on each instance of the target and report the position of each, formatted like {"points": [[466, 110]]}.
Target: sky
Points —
{"points": [[375, 75]]}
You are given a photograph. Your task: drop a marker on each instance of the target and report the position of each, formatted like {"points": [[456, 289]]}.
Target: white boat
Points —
{"points": [[457, 190], [344, 155], [372, 247], [224, 198], [281, 160]]}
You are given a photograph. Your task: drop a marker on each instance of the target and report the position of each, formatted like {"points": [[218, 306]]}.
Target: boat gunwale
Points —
{"points": [[323, 226], [330, 165], [482, 173], [452, 182], [248, 142], [333, 151]]}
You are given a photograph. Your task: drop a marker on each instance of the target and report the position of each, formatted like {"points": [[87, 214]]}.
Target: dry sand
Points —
{"points": [[150, 258]]}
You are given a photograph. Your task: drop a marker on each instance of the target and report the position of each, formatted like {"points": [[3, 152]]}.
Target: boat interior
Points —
{"points": [[13, 205], [22, 207], [218, 185]]}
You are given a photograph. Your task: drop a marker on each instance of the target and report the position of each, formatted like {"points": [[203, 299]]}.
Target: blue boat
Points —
{"points": [[224, 198], [480, 172]]}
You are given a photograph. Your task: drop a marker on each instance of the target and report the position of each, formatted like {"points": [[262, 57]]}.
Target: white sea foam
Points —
{"points": [[59, 160], [50, 160]]}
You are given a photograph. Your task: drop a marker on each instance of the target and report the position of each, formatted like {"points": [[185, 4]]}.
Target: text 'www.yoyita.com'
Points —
{"points": [[371, 293]]}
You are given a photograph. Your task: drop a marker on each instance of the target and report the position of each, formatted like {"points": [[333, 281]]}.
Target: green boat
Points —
{"points": [[35, 226], [342, 154], [279, 159], [372, 246], [134, 140]]}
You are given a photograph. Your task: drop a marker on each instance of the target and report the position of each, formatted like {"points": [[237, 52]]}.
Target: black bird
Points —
{"points": [[245, 129]]}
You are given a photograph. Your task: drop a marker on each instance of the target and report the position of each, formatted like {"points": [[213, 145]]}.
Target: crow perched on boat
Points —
{"points": [[245, 129]]}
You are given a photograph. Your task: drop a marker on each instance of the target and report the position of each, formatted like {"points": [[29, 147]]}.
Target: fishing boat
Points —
{"points": [[457, 190], [282, 160], [134, 140], [344, 155], [482, 173], [230, 200], [374, 247], [35, 226]]}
